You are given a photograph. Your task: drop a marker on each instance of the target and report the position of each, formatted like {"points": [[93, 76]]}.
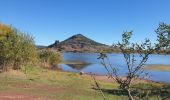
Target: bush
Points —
{"points": [[49, 58], [5, 31], [17, 48]]}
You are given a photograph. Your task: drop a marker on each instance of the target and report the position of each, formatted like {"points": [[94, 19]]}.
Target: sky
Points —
{"points": [[101, 20]]}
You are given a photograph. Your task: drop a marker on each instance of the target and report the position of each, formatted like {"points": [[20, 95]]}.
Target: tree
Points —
{"points": [[17, 49], [25, 51], [134, 69], [163, 35], [134, 66]]}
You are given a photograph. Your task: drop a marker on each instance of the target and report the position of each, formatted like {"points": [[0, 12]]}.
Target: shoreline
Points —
{"points": [[158, 67], [148, 66], [105, 78], [109, 52], [138, 80]]}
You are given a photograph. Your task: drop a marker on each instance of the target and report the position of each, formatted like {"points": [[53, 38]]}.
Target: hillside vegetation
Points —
{"points": [[17, 50], [80, 43]]}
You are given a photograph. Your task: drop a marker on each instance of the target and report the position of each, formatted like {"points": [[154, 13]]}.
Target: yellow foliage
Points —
{"points": [[5, 30]]}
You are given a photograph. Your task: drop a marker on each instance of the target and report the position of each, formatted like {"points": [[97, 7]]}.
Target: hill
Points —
{"points": [[79, 43], [40, 46]]}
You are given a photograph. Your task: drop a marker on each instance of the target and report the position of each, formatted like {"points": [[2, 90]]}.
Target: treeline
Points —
{"points": [[18, 49]]}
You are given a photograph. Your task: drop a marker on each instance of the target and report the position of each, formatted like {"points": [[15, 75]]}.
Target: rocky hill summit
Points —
{"points": [[79, 43]]}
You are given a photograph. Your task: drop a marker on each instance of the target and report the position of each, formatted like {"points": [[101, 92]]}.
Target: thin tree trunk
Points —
{"points": [[104, 98], [129, 95]]}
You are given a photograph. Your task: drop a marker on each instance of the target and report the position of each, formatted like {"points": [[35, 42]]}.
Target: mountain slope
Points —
{"points": [[80, 39], [79, 43]]}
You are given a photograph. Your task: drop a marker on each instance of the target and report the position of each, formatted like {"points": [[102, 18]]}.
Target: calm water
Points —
{"points": [[116, 60]]}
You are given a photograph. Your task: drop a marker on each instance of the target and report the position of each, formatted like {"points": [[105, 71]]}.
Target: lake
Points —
{"points": [[94, 65]]}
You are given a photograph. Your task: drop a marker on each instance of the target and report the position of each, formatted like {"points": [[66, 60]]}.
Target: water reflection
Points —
{"points": [[78, 66], [88, 62]]}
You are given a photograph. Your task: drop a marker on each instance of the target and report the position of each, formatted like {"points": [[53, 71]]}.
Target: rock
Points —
{"points": [[81, 73]]}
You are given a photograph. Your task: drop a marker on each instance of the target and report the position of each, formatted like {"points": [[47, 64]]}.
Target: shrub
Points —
{"points": [[5, 31], [49, 58], [17, 48]]}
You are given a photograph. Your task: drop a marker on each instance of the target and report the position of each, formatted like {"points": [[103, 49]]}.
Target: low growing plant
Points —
{"points": [[49, 58]]}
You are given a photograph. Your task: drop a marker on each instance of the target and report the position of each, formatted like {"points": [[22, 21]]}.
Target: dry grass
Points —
{"points": [[54, 85]]}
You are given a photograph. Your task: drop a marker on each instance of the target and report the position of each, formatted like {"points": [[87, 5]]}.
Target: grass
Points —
{"points": [[165, 68], [54, 85], [57, 85]]}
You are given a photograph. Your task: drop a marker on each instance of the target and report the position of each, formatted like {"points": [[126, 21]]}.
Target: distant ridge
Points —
{"points": [[40, 46], [79, 43]]}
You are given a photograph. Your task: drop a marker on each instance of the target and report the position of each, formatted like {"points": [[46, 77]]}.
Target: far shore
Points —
{"points": [[115, 52], [157, 67]]}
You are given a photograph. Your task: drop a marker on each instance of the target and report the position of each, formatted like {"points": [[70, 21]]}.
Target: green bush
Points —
{"points": [[49, 58], [17, 49]]}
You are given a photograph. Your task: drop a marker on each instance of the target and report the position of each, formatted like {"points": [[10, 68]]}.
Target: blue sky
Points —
{"points": [[101, 20]]}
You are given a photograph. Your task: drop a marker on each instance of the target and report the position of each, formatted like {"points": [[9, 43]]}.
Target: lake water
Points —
{"points": [[117, 60]]}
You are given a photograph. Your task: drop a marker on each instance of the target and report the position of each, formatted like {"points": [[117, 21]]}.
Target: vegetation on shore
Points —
{"points": [[18, 50], [46, 84], [51, 85], [165, 68], [49, 58]]}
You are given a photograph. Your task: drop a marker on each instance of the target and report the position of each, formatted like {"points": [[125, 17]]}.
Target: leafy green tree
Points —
{"points": [[163, 35]]}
